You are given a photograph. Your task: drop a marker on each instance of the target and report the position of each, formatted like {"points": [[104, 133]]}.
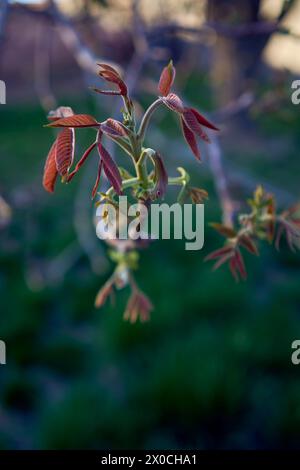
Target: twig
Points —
{"points": [[83, 55], [242, 103], [220, 180], [257, 28], [42, 70]]}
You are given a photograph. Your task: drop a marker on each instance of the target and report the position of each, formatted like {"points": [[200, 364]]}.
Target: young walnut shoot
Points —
{"points": [[147, 186], [261, 223]]}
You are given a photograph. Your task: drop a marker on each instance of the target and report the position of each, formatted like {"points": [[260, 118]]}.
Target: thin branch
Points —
{"points": [[42, 70], [215, 160], [83, 55]]}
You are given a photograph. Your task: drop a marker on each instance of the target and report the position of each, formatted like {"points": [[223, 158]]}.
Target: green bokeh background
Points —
{"points": [[212, 368]]}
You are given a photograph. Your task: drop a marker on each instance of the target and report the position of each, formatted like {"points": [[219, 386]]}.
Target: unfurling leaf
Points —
{"points": [[173, 102], [64, 154], [104, 293], [50, 171], [105, 92], [192, 123], [138, 306], [221, 256], [232, 254], [219, 252], [78, 120], [111, 75], [240, 265], [223, 259], [197, 195], [237, 266], [202, 120], [224, 230], [167, 78], [61, 112], [233, 268], [160, 176], [246, 242], [190, 139], [114, 128]]}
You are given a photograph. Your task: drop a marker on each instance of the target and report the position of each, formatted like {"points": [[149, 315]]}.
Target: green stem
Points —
{"points": [[141, 168], [146, 119], [125, 184], [122, 144], [176, 181]]}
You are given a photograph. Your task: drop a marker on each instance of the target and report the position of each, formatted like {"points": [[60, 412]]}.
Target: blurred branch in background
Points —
{"points": [[5, 213], [42, 70], [84, 56], [231, 98], [220, 180]]}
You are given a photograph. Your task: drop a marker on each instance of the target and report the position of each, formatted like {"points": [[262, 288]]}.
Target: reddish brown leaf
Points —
{"points": [[240, 265], [104, 293], [219, 252], [160, 176], [223, 260], [114, 128], [249, 244], [232, 267], [81, 161], [224, 230], [138, 305], [108, 68], [78, 120], [111, 75], [167, 78], [110, 168], [50, 171], [197, 195], [203, 121], [174, 103], [190, 139], [97, 179], [106, 92], [193, 124], [64, 154]]}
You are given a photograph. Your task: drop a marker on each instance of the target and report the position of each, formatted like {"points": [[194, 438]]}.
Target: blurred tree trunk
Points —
{"points": [[234, 59]]}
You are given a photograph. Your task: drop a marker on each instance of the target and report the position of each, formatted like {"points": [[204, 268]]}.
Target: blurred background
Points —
{"points": [[212, 369]]}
